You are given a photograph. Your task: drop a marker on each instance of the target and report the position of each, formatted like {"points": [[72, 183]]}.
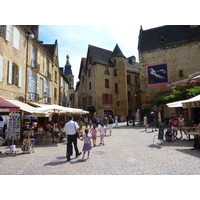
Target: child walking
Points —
{"points": [[102, 130], [87, 144], [93, 131]]}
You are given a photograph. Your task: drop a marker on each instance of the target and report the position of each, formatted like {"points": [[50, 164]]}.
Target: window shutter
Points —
{"points": [[1, 68], [50, 89], [10, 72], [103, 98], [38, 84], [8, 32], [45, 86], [20, 77], [29, 80], [16, 38], [111, 99]]}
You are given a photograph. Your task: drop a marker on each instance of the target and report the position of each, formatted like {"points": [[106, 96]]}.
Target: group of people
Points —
{"points": [[74, 132], [175, 123], [106, 120]]}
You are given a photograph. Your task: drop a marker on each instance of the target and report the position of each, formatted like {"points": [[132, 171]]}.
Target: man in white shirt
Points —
{"points": [[71, 128]]}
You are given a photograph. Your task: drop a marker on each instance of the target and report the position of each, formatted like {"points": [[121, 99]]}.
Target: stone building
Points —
{"points": [[109, 83], [29, 69], [168, 55]]}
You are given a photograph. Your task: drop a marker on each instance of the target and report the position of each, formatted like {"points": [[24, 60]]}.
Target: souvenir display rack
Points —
{"points": [[13, 130]]}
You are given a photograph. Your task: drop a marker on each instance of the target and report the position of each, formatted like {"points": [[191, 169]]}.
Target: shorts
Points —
{"points": [[153, 124], [174, 128]]}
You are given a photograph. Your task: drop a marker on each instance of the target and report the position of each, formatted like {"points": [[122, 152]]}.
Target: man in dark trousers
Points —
{"points": [[71, 128]]}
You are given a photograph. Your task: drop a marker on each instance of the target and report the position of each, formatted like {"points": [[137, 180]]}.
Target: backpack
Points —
{"points": [[1, 118]]}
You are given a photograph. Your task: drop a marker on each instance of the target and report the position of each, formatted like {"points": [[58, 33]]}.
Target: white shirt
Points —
{"points": [[71, 127], [102, 130]]}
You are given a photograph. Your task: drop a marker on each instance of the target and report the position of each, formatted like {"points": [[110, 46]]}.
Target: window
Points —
{"points": [[14, 74], [180, 73], [55, 94], [82, 79], [90, 100], [90, 86], [106, 70], [115, 72], [89, 73], [106, 83], [56, 75], [129, 96], [128, 79], [16, 37], [115, 62], [118, 103], [116, 87], [107, 98], [136, 80]]}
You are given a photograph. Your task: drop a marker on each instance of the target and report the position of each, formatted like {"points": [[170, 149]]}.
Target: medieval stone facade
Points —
{"points": [[109, 83], [29, 69], [172, 49]]}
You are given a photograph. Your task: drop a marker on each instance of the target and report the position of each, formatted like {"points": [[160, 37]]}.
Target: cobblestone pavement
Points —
{"points": [[129, 151]]}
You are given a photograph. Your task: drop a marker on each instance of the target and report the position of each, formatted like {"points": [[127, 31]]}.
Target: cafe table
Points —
{"points": [[196, 135], [39, 136]]}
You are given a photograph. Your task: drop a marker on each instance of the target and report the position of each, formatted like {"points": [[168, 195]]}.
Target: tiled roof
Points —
{"points": [[167, 35], [100, 55], [117, 52]]}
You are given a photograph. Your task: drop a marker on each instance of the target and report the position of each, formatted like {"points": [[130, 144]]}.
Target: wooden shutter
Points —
{"points": [[38, 84], [10, 72], [50, 89], [111, 99], [16, 38], [20, 77], [29, 80], [1, 68], [8, 32]]}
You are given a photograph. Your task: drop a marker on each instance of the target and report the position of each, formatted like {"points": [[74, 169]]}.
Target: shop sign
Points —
{"points": [[194, 104]]}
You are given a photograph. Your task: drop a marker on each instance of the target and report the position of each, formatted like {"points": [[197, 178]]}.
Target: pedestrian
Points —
{"points": [[175, 123], [102, 130], [170, 118], [72, 132], [90, 123], [127, 119], [104, 121], [181, 126], [86, 122], [116, 121], [110, 123], [153, 121], [93, 131], [168, 135], [145, 122], [133, 118], [87, 144]]}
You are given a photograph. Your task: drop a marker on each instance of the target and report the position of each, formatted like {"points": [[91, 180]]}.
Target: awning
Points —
{"points": [[6, 106], [176, 104], [188, 103], [194, 102], [23, 106]]}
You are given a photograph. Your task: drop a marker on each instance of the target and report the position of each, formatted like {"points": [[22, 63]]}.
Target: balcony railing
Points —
{"points": [[48, 74], [35, 65], [34, 96]]}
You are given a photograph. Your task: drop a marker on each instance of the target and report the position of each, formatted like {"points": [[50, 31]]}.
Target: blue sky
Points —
{"points": [[73, 40]]}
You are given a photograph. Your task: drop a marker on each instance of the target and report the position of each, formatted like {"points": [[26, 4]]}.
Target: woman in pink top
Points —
{"points": [[93, 132]]}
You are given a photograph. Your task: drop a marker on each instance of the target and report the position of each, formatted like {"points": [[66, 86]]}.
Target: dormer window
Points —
{"points": [[163, 39]]}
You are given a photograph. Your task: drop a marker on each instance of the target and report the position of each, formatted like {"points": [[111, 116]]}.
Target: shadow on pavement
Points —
{"points": [[191, 152]]}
